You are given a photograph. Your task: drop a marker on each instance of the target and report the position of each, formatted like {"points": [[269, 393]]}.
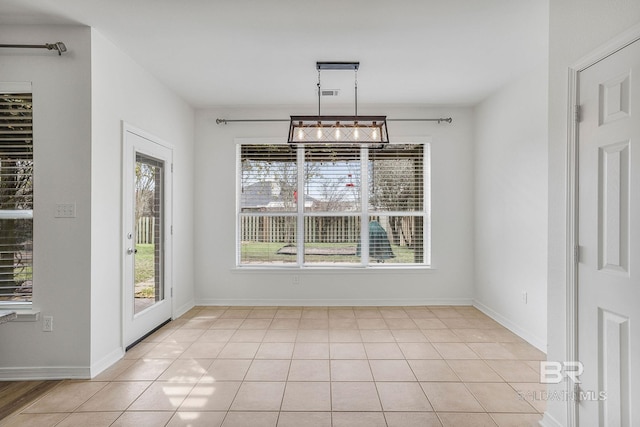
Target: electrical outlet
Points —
{"points": [[524, 297], [65, 210], [296, 280], [47, 323]]}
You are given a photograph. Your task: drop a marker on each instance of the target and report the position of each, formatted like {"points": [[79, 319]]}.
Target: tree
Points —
{"points": [[145, 187], [396, 181], [335, 187], [269, 164], [269, 183]]}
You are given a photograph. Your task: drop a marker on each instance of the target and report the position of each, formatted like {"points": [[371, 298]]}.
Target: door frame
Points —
{"points": [[572, 250], [168, 260]]}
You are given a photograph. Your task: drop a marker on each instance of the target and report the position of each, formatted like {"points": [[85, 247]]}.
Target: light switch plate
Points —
{"points": [[65, 210]]}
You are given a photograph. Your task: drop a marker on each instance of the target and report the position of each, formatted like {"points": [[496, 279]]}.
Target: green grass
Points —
{"points": [[144, 263], [146, 292], [253, 252], [260, 253]]}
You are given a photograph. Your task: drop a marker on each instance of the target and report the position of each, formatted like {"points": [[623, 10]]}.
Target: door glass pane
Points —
{"points": [[149, 218]]}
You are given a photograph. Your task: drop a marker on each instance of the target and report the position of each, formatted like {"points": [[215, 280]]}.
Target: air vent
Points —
{"points": [[330, 92]]}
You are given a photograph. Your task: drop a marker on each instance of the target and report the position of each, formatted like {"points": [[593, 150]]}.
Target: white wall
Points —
{"points": [[62, 246], [577, 27], [123, 91], [450, 281], [511, 137], [80, 101]]}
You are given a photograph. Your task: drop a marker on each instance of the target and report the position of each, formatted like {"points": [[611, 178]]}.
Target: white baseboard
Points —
{"points": [[106, 361], [45, 373], [334, 302], [548, 421], [516, 329], [179, 311]]}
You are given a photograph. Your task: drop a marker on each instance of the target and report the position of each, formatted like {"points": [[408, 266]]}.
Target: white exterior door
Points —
{"points": [[147, 235], [609, 240]]}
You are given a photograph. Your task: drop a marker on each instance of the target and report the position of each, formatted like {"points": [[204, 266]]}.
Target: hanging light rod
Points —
{"points": [[226, 121], [59, 46]]}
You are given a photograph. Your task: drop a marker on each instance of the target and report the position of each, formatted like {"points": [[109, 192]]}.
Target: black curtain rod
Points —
{"points": [[226, 121], [57, 46]]}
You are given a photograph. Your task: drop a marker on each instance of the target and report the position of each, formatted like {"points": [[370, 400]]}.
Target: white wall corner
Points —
{"points": [[179, 311], [532, 339], [548, 421], [106, 361]]}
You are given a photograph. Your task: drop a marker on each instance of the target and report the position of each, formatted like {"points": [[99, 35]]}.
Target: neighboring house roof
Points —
{"points": [[268, 195], [260, 195]]}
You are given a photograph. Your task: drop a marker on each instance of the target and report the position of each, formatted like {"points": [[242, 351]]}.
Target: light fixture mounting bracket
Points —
{"points": [[337, 65]]}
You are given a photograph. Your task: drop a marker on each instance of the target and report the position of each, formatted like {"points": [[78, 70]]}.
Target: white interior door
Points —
{"points": [[609, 239], [147, 235]]}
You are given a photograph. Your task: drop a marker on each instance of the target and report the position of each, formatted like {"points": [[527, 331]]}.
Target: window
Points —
{"points": [[16, 197], [307, 206]]}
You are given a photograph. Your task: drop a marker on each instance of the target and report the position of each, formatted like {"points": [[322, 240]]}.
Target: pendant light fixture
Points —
{"points": [[338, 129]]}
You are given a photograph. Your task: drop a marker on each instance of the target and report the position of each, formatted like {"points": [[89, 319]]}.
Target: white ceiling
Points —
{"points": [[257, 52]]}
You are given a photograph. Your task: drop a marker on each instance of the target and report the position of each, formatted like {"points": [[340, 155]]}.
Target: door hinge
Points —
{"points": [[577, 392], [171, 230], [576, 254], [171, 292], [171, 167], [577, 113]]}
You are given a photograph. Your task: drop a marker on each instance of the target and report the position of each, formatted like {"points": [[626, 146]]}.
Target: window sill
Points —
{"points": [[21, 315], [7, 316], [334, 270]]}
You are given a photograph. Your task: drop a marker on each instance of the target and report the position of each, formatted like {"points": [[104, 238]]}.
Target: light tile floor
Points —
{"points": [[310, 366]]}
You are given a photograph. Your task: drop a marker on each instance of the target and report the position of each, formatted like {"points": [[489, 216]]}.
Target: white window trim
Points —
{"points": [[24, 309], [300, 214]]}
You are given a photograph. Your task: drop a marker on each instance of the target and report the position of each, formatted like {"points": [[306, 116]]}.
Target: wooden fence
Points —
{"points": [[343, 229], [144, 230], [318, 229]]}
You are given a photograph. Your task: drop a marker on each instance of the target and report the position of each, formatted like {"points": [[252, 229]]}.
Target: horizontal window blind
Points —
{"points": [[396, 204], [16, 197], [332, 179], [269, 179], [396, 179], [332, 216]]}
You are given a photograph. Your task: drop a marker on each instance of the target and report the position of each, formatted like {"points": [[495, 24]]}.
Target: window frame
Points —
{"points": [[364, 213], [21, 88]]}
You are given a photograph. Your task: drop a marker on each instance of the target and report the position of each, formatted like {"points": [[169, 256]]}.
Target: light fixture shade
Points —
{"points": [[338, 129]]}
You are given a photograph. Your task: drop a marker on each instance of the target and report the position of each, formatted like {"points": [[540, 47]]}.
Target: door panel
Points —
{"points": [[609, 239], [147, 235]]}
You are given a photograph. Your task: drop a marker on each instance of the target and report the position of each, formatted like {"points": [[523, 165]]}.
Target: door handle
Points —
{"points": [[131, 251]]}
